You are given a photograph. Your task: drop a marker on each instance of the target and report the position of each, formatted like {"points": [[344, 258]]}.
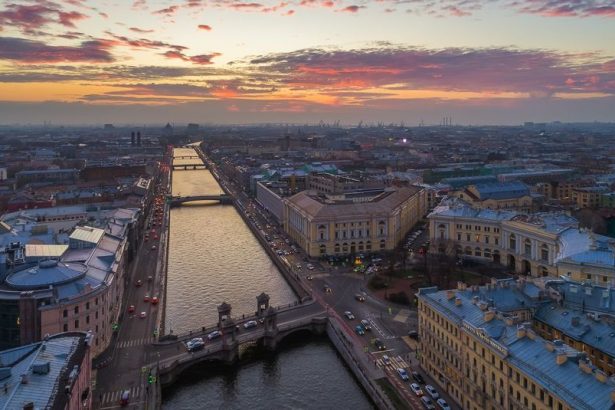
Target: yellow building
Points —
{"points": [[588, 197], [369, 220], [498, 195], [477, 346], [530, 244]]}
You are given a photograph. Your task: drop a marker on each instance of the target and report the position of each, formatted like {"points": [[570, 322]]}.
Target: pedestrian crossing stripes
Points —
{"points": [[135, 342], [113, 397], [377, 329], [393, 363]]}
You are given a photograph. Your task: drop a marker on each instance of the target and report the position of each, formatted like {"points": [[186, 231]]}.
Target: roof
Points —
{"points": [[457, 208], [529, 354], [87, 234], [501, 190], [61, 352], [45, 251], [381, 205], [44, 274]]}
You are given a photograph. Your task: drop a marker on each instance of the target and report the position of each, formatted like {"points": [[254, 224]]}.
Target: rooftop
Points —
{"points": [[501, 190], [87, 234], [44, 274]]}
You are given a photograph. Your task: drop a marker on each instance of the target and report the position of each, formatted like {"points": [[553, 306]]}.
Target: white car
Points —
{"points": [[427, 403], [349, 315], [214, 335], [250, 323], [443, 404], [403, 374], [432, 392], [416, 389], [195, 344], [386, 359]]}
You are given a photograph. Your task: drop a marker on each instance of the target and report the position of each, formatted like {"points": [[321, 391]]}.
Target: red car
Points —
{"points": [[131, 309], [146, 298], [138, 283], [154, 300]]}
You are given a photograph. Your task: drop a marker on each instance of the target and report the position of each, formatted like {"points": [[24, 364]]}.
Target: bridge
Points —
{"points": [[194, 156], [178, 200], [189, 166], [274, 324]]}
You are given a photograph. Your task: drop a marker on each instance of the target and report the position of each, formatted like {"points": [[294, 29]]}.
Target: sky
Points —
{"points": [[305, 61]]}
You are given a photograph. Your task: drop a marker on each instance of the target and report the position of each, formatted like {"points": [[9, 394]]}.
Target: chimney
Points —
{"points": [[509, 321], [600, 376], [561, 357], [520, 331], [132, 138], [530, 334], [549, 346], [489, 315], [475, 299], [450, 294], [482, 305], [139, 138], [457, 301], [461, 286], [585, 366]]}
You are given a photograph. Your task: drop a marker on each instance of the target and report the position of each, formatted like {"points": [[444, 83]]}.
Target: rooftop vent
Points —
{"points": [[457, 301], [41, 368]]}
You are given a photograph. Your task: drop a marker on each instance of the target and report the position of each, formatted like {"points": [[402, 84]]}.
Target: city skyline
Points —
{"points": [[501, 62]]}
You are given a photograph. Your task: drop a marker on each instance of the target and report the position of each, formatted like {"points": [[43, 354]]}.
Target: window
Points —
{"points": [[477, 252], [512, 243], [76, 310], [323, 249], [65, 313], [458, 236], [382, 244], [476, 228], [87, 319], [527, 247], [544, 252], [65, 327], [468, 237], [486, 239], [77, 324]]}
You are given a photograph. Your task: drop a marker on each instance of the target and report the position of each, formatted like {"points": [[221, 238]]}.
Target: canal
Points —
{"points": [[213, 257]]}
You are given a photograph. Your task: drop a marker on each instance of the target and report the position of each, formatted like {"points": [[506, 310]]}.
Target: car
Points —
{"points": [[153, 247], [432, 391], [214, 335], [142, 315], [310, 277], [250, 323], [359, 329], [125, 398], [359, 297], [146, 298], [418, 378], [155, 300], [366, 325], [443, 404], [379, 344], [195, 344], [150, 278], [403, 374], [131, 309], [310, 266], [327, 289], [427, 403], [298, 266], [416, 389], [146, 238], [349, 315], [386, 359], [138, 283], [413, 334]]}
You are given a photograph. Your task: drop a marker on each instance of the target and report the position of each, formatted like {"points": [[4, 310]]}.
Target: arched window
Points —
{"points": [[337, 248], [345, 247], [323, 249], [512, 242], [381, 228], [383, 244], [487, 253], [368, 245], [468, 250], [527, 247], [477, 251], [361, 246]]}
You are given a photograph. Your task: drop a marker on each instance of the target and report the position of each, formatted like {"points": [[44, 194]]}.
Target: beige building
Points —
{"points": [[498, 195], [588, 197], [476, 345], [530, 244], [353, 222]]}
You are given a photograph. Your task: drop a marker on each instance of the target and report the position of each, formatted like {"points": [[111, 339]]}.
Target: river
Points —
{"points": [[213, 257]]}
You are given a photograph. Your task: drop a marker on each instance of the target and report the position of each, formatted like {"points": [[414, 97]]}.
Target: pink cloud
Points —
{"points": [[202, 59], [169, 11], [140, 30], [204, 27], [350, 9], [29, 51]]}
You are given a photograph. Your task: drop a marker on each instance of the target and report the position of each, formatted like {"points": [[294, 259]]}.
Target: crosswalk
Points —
{"points": [[135, 342], [396, 362], [377, 330], [113, 397]]}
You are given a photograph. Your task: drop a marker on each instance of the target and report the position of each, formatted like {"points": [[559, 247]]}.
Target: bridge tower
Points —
{"points": [[262, 304], [270, 339], [227, 326]]}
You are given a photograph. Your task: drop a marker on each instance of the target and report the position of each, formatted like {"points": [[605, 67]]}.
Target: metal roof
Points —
{"points": [[42, 251], [87, 234]]}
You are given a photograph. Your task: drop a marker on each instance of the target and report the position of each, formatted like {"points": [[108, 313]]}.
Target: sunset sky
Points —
{"points": [[301, 61]]}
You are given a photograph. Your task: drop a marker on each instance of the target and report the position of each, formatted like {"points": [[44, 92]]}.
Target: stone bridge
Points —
{"points": [[178, 200], [273, 326]]}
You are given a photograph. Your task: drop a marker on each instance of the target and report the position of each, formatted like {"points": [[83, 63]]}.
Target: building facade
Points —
{"points": [[354, 222], [477, 345]]}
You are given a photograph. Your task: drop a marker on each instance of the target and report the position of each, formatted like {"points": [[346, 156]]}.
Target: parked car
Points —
{"points": [[142, 315], [195, 344], [359, 329], [443, 404], [138, 283], [416, 389], [413, 334], [403, 374], [418, 378], [359, 297], [432, 391], [214, 335], [146, 298], [349, 315], [155, 300], [427, 403], [250, 324], [131, 309], [125, 398], [366, 325]]}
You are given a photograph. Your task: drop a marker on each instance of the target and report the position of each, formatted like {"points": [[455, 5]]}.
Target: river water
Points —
{"points": [[213, 257]]}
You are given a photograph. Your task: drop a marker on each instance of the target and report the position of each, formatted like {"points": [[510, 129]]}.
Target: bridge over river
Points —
{"points": [[178, 200]]}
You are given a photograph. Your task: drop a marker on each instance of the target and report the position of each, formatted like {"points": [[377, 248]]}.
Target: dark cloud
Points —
{"points": [[143, 42], [204, 27], [169, 11], [202, 59], [31, 17], [140, 30], [30, 51]]}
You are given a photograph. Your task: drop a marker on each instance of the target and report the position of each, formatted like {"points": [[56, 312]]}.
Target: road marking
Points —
{"points": [[135, 342], [402, 316], [394, 363], [115, 396], [384, 335]]}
